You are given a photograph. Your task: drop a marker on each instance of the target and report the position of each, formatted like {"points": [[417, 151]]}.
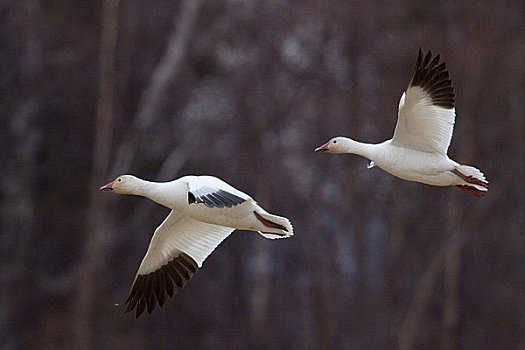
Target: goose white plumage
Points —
{"points": [[205, 210], [425, 122]]}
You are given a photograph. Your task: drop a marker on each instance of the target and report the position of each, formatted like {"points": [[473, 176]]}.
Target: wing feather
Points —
{"points": [[178, 248], [426, 110], [214, 193]]}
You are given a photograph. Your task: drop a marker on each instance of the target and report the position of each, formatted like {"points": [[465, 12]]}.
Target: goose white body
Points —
{"points": [[205, 210], [174, 195], [418, 149]]}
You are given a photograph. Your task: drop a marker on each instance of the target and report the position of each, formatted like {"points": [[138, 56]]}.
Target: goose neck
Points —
{"points": [[360, 148], [156, 191]]}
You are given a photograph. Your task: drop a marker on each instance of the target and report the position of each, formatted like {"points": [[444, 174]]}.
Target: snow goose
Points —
{"points": [[425, 121], [204, 211]]}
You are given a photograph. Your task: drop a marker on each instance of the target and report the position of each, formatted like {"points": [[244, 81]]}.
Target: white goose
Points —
{"points": [[205, 210], [425, 122]]}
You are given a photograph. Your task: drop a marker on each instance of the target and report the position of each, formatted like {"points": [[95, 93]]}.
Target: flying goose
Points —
{"points": [[204, 211], [425, 122]]}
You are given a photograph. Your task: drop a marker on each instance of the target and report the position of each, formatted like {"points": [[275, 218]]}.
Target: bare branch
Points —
{"points": [[164, 74], [424, 290], [91, 258]]}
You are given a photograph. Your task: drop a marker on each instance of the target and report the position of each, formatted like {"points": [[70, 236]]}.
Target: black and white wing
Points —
{"points": [[214, 193], [178, 248], [426, 110]]}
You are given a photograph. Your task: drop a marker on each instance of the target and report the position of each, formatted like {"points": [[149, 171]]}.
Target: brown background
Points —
{"points": [[245, 90]]}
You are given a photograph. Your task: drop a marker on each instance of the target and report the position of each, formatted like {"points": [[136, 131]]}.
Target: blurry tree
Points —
{"points": [[20, 143], [92, 261]]}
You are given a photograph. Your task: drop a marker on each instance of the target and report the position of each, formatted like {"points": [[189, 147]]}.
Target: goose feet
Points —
{"points": [[470, 179], [471, 190], [271, 224]]}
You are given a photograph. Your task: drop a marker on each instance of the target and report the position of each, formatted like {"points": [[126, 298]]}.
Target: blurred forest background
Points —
{"points": [[245, 90]]}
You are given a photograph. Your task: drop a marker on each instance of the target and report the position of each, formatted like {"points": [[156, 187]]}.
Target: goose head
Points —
{"points": [[124, 184], [335, 145]]}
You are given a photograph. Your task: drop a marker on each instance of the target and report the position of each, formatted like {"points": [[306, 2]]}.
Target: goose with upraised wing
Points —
{"points": [[425, 122]]}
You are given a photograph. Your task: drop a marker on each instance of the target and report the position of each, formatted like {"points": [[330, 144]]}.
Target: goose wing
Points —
{"points": [[426, 111], [178, 248], [214, 192]]}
